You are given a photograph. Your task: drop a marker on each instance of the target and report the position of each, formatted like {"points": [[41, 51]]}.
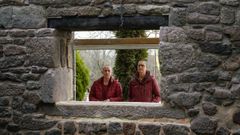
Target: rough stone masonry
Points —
{"points": [[200, 62]]}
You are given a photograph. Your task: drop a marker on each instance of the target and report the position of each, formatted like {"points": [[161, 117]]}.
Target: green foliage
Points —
{"points": [[126, 60], [82, 77]]}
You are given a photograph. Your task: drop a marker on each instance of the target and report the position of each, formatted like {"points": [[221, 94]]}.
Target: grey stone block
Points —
{"points": [[33, 85], [153, 9], [6, 17], [32, 133], [229, 2], [203, 126], [30, 123], [173, 35], [56, 85], [150, 129], [13, 127], [197, 18], [14, 50], [36, 69], [30, 76], [209, 108], [178, 17], [92, 128], [43, 52], [221, 93], [227, 15], [213, 36], [196, 34], [17, 102], [12, 61], [216, 48], [193, 112], [69, 128], [22, 18], [11, 89], [175, 58], [223, 131], [28, 108], [236, 117], [129, 128], [53, 131], [209, 8], [235, 90], [171, 129], [32, 97], [114, 128], [4, 101], [5, 112], [186, 100]]}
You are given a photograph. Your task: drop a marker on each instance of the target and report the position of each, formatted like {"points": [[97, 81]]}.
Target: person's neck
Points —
{"points": [[141, 76], [106, 80]]}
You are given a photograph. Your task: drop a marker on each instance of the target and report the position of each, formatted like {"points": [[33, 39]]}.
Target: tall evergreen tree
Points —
{"points": [[126, 60], [82, 77]]}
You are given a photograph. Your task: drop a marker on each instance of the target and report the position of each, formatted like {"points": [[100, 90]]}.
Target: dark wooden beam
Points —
{"points": [[108, 23]]}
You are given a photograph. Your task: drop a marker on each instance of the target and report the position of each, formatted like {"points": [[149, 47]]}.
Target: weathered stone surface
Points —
{"points": [[3, 33], [237, 132], [150, 129], [92, 128], [28, 108], [221, 93], [5, 112], [225, 75], [233, 32], [32, 133], [213, 36], [43, 52], [229, 2], [209, 108], [69, 127], [33, 85], [209, 8], [196, 34], [193, 112], [153, 9], [197, 77], [236, 77], [4, 101], [3, 123], [13, 127], [32, 97], [11, 89], [60, 3], [17, 102], [187, 100], [227, 15], [203, 126], [160, 1], [46, 32], [175, 58], [17, 117], [129, 128], [28, 122], [196, 18], [1, 51], [19, 41], [22, 18], [235, 90], [236, 118], [36, 69], [114, 128], [12, 61], [173, 35], [223, 131], [6, 17], [216, 48], [26, 77], [53, 131], [170, 129], [14, 50], [237, 18], [10, 77], [232, 64], [178, 17], [18, 33]]}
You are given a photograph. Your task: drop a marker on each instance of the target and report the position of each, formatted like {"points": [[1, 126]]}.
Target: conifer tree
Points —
{"points": [[126, 60], [82, 77]]}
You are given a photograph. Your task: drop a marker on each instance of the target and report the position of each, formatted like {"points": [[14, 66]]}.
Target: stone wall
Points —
{"points": [[199, 53]]}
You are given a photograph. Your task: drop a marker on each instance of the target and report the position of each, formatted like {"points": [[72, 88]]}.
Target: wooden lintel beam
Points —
{"points": [[117, 41]]}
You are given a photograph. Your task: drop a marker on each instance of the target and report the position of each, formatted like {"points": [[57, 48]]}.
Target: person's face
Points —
{"points": [[141, 68], [106, 72]]}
